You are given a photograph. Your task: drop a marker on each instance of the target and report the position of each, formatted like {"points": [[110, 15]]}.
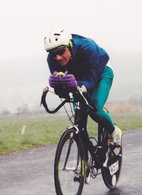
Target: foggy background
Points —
{"points": [[114, 25]]}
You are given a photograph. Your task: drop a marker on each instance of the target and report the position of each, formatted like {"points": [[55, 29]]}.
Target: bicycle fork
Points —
{"points": [[76, 170], [68, 151]]}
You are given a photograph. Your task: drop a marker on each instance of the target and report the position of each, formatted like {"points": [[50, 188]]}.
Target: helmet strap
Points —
{"points": [[70, 45]]}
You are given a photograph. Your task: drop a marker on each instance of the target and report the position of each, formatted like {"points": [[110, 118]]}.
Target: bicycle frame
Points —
{"points": [[95, 152], [101, 154]]}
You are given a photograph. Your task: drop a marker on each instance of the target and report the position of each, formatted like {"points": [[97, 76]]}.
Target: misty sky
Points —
{"points": [[115, 24]]}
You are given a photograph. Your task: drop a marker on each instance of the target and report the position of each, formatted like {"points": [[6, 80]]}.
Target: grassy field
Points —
{"points": [[20, 133]]}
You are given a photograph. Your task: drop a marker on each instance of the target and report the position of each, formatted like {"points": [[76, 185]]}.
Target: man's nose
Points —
{"points": [[58, 57]]}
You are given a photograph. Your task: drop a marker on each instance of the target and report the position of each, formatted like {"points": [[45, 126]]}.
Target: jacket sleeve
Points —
{"points": [[94, 60]]}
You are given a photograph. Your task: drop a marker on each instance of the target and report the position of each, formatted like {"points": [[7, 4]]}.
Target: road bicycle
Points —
{"points": [[80, 157]]}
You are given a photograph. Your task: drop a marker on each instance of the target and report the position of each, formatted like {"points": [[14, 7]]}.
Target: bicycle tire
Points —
{"points": [[111, 167], [69, 163]]}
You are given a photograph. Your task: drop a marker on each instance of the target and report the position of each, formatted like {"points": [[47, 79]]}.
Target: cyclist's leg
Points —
{"points": [[99, 97]]}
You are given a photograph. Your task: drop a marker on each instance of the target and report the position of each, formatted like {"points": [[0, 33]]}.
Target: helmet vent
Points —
{"points": [[56, 34]]}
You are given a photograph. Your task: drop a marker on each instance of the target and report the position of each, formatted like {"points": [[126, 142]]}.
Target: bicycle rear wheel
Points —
{"points": [[111, 167], [69, 167]]}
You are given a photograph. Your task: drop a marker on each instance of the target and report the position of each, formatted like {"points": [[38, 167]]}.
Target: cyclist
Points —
{"points": [[85, 64]]}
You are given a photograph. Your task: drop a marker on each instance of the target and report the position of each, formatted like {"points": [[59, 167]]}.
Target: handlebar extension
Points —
{"points": [[43, 102], [82, 97]]}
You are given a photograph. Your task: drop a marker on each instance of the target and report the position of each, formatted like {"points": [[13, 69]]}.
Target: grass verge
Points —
{"points": [[20, 133]]}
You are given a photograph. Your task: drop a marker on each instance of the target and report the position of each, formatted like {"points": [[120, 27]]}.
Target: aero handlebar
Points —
{"points": [[84, 98]]}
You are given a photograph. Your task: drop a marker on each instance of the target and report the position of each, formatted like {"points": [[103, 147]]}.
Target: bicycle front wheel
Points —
{"points": [[69, 167]]}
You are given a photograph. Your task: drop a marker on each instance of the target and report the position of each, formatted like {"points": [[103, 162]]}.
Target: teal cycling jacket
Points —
{"points": [[87, 64]]}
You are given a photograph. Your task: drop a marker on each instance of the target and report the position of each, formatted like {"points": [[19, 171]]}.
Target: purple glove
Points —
{"points": [[64, 80], [68, 81], [54, 80]]}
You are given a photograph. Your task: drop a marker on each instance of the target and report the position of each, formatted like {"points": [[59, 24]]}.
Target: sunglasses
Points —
{"points": [[59, 52]]}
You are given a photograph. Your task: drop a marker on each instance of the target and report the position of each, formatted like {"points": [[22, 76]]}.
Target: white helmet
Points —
{"points": [[56, 38]]}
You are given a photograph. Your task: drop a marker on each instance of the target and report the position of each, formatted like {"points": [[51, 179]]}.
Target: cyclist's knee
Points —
{"points": [[97, 116]]}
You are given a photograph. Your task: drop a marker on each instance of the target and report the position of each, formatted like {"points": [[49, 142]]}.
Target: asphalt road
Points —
{"points": [[31, 172]]}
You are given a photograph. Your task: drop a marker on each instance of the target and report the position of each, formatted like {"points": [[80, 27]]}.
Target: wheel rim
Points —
{"points": [[69, 172]]}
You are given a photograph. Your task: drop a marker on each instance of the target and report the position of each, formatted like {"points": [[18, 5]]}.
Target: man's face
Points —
{"points": [[62, 56]]}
